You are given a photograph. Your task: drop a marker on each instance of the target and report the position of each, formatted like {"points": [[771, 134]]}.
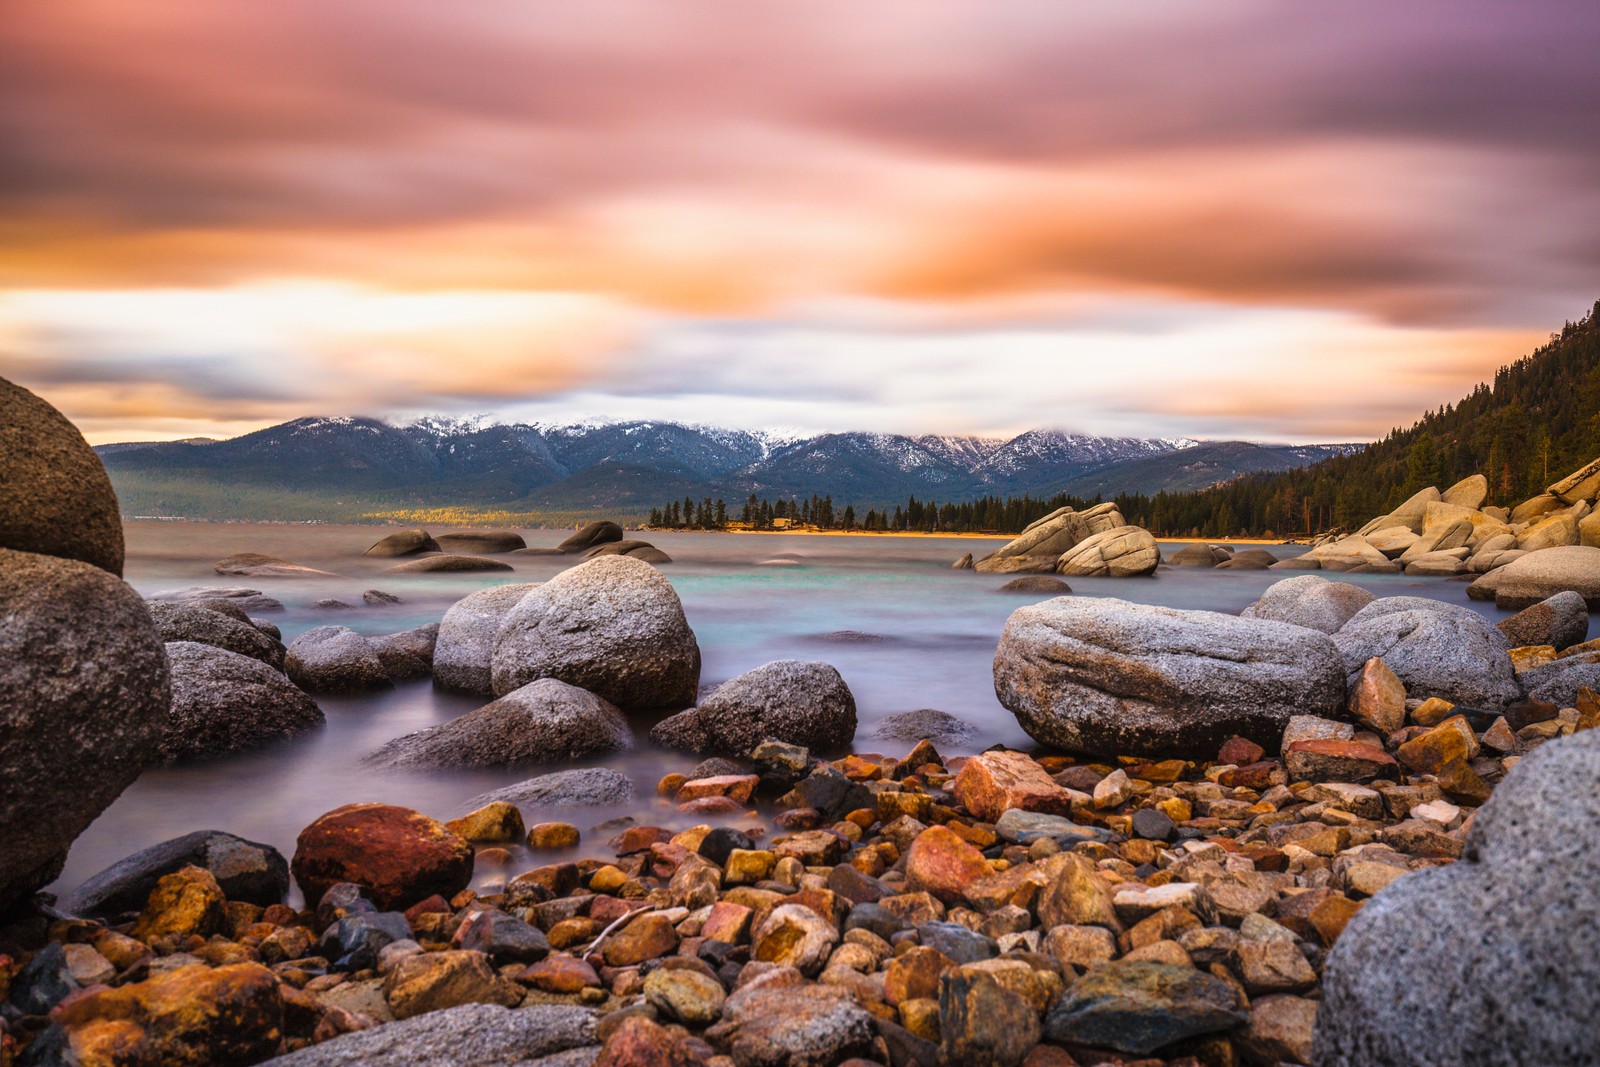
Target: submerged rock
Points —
{"points": [[223, 702], [1037, 583], [792, 701], [1406, 982], [596, 533], [245, 601], [448, 564], [1116, 678], [404, 543], [471, 541], [244, 870], [940, 727], [256, 565], [581, 788], [611, 625], [84, 705], [465, 642], [335, 659], [543, 722]]}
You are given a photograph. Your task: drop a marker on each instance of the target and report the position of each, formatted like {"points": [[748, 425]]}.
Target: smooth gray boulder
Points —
{"points": [[584, 787], [543, 722], [794, 701], [1125, 552], [246, 870], [612, 625], [1537, 576], [468, 1035], [55, 497], [466, 637], [471, 541], [595, 533], [1115, 678], [85, 698], [404, 543], [335, 659], [1561, 620], [409, 653], [209, 626], [223, 702], [940, 727], [1434, 648], [1491, 960]]}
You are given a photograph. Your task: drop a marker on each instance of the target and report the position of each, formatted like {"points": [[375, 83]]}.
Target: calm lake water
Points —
{"points": [[938, 628]]}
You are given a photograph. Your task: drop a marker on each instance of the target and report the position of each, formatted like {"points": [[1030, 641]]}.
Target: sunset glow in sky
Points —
{"points": [[1277, 221]]}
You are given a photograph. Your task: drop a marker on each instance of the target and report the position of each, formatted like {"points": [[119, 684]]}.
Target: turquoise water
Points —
{"points": [[938, 630]]}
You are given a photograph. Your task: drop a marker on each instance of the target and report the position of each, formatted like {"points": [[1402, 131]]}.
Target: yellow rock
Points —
{"points": [[185, 902], [494, 823]]}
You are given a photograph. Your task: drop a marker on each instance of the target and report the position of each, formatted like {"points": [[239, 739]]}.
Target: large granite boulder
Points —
{"points": [[1490, 960], [1581, 484], [1115, 678], [1531, 578], [1409, 514], [335, 659], [223, 702], [471, 541], [404, 543], [214, 626], [793, 701], [244, 870], [409, 653], [1125, 552], [84, 705], [469, 1035], [596, 533], [55, 498], [1555, 531], [612, 625], [1469, 492], [1434, 648], [466, 637], [583, 787], [1047, 538], [1558, 683], [546, 721], [1310, 601]]}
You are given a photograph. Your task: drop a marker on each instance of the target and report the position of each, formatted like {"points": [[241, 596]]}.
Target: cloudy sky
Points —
{"points": [[1284, 221]]}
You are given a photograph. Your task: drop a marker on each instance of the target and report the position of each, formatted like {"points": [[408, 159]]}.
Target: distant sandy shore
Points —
{"points": [[978, 536]]}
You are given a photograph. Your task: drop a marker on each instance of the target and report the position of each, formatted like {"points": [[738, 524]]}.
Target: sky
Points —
{"points": [[1274, 221]]}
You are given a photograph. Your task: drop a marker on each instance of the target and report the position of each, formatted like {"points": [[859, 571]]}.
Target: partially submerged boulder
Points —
{"points": [[612, 625], [209, 626], [466, 637], [477, 541], [1538, 575], [256, 565], [792, 701], [404, 543], [245, 870], [223, 702], [55, 497], [595, 533], [1124, 552], [449, 564], [546, 721], [1115, 678], [335, 659], [1310, 601], [84, 704], [584, 787]]}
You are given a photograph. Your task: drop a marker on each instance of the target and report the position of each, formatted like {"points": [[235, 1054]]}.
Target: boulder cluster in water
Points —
{"points": [[1331, 830]]}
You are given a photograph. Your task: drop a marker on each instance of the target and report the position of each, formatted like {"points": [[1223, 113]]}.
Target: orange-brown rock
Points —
{"points": [[646, 937], [736, 787], [992, 783], [941, 863], [1451, 740], [187, 902], [494, 823], [431, 981], [398, 855], [915, 974], [1378, 698], [559, 974]]}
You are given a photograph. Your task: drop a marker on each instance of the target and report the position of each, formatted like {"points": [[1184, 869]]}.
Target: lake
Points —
{"points": [[936, 631]]}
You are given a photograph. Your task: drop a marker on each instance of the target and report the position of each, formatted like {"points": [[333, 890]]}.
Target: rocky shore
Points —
{"points": [[1335, 829]]}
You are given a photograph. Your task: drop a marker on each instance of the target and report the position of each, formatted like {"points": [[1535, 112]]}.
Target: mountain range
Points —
{"points": [[344, 467]]}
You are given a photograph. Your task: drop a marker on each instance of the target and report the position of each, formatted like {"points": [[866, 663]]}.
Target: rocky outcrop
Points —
{"points": [[466, 638], [478, 541], [210, 626], [612, 625], [1111, 677], [792, 701], [930, 724], [1405, 984], [223, 702], [449, 564], [335, 659], [543, 722], [404, 543], [84, 704], [596, 533], [1047, 538], [1124, 552], [1436, 649], [55, 498], [1539, 575], [1310, 601], [244, 870]]}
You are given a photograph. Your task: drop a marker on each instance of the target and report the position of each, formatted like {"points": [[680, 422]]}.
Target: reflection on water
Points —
{"points": [[940, 627]]}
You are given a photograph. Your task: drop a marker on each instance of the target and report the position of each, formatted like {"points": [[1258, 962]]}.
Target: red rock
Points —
{"points": [[737, 787], [607, 910], [559, 974], [941, 863], [991, 784], [727, 922], [647, 937], [1259, 776], [638, 1042], [398, 855], [1240, 751], [637, 839], [711, 806], [1337, 761]]}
